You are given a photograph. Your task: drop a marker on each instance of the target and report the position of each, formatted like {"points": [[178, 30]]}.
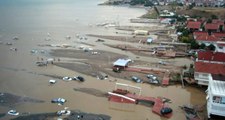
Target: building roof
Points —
{"points": [[219, 34], [217, 87], [207, 38], [218, 77], [211, 56], [211, 26], [121, 62], [198, 33], [193, 24], [211, 68], [220, 22]]}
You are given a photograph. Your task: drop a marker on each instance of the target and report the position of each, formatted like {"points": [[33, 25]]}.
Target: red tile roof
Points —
{"points": [[220, 22], [212, 68], [198, 33], [219, 35], [220, 44], [211, 56], [207, 38], [193, 25], [211, 26]]}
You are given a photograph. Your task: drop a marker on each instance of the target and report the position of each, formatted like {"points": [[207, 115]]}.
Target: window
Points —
{"points": [[216, 99], [220, 100]]}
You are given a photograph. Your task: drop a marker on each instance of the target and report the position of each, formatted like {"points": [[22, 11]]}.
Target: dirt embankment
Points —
{"points": [[203, 12]]}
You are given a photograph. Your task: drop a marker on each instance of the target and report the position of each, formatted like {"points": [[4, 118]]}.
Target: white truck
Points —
{"points": [[216, 98]]}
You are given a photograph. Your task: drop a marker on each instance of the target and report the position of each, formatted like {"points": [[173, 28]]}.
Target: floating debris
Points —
{"points": [[68, 37], [16, 38], [13, 49], [8, 43]]}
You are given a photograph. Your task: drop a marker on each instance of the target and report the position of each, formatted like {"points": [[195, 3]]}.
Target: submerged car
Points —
{"points": [[166, 110], [67, 78], [52, 81], [63, 112], [13, 112], [150, 76], [136, 79], [153, 79], [58, 100], [79, 78]]}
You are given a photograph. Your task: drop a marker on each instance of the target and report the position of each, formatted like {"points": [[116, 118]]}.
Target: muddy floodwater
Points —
{"points": [[41, 26]]}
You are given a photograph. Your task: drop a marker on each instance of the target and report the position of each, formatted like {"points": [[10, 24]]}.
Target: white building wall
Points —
{"points": [[202, 78]]}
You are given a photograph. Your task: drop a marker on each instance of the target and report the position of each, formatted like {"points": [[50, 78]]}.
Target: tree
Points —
{"points": [[209, 21], [136, 2], [211, 47], [148, 3], [214, 16], [194, 44], [184, 39], [202, 46]]}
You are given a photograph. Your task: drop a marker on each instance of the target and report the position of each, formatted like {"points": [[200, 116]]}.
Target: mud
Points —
{"points": [[92, 91], [74, 116], [7, 99]]}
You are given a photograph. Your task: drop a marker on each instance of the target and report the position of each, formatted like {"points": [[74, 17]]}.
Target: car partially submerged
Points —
{"points": [[79, 78], [41, 63], [52, 81], [152, 79], [67, 78], [13, 112], [59, 100], [63, 112], [136, 79]]}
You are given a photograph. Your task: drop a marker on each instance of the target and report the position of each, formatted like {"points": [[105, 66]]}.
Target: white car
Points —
{"points": [[150, 76], [52, 81], [13, 112], [67, 78], [64, 112]]}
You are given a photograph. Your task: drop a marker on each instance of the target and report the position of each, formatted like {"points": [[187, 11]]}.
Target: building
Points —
{"points": [[120, 64], [211, 57], [205, 70], [220, 46], [199, 33], [194, 25], [212, 27], [220, 35], [207, 39]]}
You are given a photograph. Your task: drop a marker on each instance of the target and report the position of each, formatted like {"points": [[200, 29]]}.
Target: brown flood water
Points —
{"points": [[19, 75]]}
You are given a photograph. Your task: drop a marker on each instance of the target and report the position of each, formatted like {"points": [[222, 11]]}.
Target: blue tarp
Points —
{"points": [[121, 62]]}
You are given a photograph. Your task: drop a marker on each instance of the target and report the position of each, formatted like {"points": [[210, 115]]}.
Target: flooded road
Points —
{"points": [[35, 21]]}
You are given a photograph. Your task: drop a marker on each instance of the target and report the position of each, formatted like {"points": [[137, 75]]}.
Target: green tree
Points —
{"points": [[209, 21], [194, 44], [202, 46], [184, 39], [214, 16], [136, 2], [211, 47], [148, 3]]}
